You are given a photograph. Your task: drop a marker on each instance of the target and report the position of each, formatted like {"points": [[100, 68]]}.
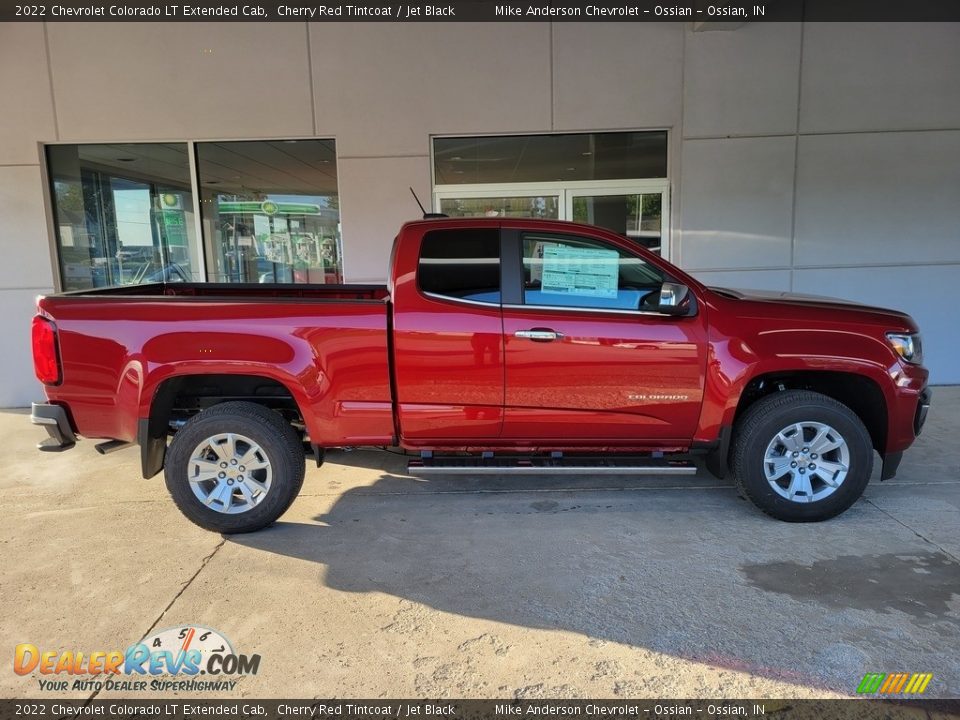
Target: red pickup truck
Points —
{"points": [[498, 346]]}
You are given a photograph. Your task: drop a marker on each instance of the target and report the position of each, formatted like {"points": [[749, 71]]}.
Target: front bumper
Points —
{"points": [[923, 407], [54, 419], [891, 460]]}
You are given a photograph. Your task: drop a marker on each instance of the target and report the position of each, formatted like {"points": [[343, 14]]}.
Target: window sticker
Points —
{"points": [[583, 272]]}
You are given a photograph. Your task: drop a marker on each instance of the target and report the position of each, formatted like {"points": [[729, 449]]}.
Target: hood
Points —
{"points": [[820, 301]]}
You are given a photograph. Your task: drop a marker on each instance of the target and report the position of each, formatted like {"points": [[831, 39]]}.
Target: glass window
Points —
{"points": [[573, 271], [462, 264], [636, 215], [534, 206], [270, 211], [550, 158], [123, 214]]}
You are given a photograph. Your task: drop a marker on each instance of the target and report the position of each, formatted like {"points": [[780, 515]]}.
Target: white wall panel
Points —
{"points": [[23, 229], [928, 293], [778, 280], [880, 76], [617, 75], [376, 201], [736, 203], [117, 81], [878, 198], [27, 114], [742, 82], [384, 88]]}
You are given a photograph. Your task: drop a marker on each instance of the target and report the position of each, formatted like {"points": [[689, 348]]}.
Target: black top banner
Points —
{"points": [[697, 11]]}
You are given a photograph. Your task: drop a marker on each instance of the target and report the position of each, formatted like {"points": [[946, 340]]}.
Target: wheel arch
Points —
{"points": [[180, 396], [860, 393]]}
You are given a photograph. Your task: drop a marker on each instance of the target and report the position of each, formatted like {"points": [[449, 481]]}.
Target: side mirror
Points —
{"points": [[675, 299]]}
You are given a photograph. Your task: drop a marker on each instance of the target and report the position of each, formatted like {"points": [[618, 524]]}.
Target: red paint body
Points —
{"points": [[462, 380]]}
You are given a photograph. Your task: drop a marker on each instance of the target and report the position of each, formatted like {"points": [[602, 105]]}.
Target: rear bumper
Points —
{"points": [[54, 419]]}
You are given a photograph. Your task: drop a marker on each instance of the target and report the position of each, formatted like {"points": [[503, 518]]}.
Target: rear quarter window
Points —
{"points": [[463, 264]]}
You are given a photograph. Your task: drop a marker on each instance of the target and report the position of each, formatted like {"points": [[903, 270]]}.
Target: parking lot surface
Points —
{"points": [[376, 584]]}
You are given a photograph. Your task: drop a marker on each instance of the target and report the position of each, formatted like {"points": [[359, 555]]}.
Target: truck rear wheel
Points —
{"points": [[235, 467], [801, 456]]}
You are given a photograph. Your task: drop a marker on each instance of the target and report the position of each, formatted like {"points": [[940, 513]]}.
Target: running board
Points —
{"points": [[467, 465]]}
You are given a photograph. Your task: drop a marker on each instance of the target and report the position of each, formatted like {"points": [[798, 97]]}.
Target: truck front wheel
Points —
{"points": [[801, 456], [235, 467]]}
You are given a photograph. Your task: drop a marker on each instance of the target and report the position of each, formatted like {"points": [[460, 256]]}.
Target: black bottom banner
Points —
{"points": [[232, 709]]}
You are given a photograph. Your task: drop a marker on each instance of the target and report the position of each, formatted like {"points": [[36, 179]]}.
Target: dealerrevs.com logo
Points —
{"points": [[190, 657]]}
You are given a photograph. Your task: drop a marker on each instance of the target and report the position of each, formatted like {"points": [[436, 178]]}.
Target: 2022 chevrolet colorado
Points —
{"points": [[498, 346]]}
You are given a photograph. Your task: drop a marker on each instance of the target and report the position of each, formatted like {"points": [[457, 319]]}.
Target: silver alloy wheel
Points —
{"points": [[806, 462], [229, 473]]}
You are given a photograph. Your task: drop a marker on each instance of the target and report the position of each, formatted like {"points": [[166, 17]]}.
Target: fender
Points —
{"points": [[733, 362]]}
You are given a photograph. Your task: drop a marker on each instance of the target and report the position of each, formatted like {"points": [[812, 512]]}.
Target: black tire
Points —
{"points": [[278, 441], [759, 427]]}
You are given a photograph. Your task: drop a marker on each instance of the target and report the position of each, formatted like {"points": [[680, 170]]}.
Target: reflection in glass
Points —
{"points": [[541, 206], [271, 211], [550, 158], [573, 271], [639, 216], [123, 214]]}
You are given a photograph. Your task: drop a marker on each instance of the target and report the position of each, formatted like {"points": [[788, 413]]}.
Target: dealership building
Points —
{"points": [[819, 158]]}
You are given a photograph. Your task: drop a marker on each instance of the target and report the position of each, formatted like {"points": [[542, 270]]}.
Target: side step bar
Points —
{"points": [[585, 465]]}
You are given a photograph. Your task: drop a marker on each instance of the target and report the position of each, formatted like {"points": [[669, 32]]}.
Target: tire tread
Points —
{"points": [[759, 414], [287, 441]]}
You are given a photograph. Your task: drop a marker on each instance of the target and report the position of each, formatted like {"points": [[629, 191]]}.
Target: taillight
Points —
{"points": [[46, 358]]}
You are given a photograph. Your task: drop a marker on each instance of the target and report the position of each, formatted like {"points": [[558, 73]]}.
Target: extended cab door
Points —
{"points": [[448, 335], [588, 357]]}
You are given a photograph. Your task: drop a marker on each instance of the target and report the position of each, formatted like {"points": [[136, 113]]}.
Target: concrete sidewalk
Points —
{"points": [[375, 584]]}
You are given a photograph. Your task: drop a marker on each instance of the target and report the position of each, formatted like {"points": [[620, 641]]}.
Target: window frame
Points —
{"points": [[565, 192], [47, 180], [99, 173], [563, 188]]}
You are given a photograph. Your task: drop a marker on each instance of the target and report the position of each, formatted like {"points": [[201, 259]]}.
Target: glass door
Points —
{"points": [[639, 214], [637, 209]]}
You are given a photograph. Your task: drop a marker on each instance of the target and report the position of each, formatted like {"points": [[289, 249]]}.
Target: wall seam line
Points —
{"points": [[313, 100], [552, 75], [859, 266], [53, 96], [675, 168], [820, 133], [796, 163], [382, 157]]}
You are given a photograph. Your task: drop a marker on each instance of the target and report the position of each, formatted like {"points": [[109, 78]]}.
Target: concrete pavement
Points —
{"points": [[375, 584]]}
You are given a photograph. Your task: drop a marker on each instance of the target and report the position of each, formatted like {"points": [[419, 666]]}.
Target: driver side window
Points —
{"points": [[579, 272]]}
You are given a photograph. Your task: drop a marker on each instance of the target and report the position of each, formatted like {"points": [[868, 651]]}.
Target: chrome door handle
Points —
{"points": [[538, 335]]}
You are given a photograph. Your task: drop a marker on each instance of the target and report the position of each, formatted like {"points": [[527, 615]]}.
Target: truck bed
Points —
{"points": [[323, 346], [238, 291]]}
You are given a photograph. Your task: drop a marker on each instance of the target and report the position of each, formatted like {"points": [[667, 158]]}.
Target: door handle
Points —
{"points": [[539, 334]]}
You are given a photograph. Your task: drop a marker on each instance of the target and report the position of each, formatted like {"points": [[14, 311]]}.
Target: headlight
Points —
{"points": [[907, 346]]}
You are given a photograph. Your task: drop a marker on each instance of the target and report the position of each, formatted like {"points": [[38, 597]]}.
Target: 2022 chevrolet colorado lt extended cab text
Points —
{"points": [[498, 346]]}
